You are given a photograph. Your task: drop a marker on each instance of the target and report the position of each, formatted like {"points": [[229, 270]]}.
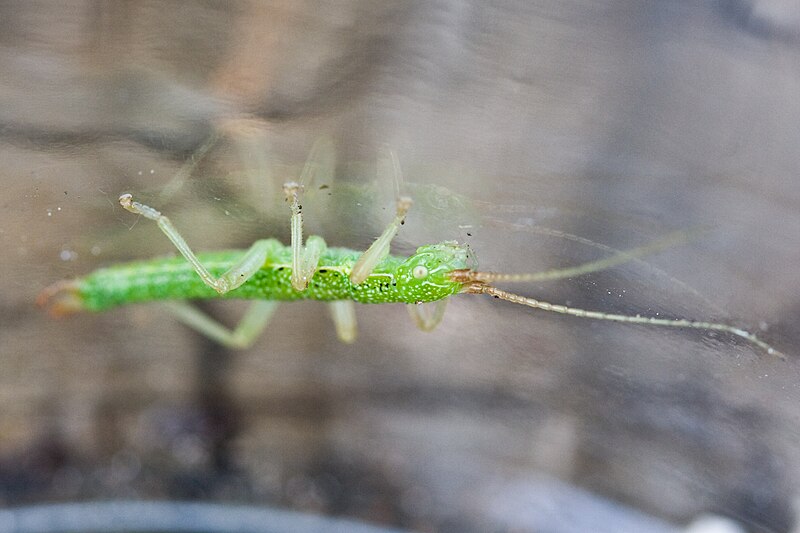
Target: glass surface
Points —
{"points": [[543, 134]]}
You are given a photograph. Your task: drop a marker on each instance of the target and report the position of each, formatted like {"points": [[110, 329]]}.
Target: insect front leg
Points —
{"points": [[250, 326], [379, 249], [240, 272], [427, 315]]}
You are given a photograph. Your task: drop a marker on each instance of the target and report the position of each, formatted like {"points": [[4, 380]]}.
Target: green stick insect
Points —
{"points": [[270, 272]]}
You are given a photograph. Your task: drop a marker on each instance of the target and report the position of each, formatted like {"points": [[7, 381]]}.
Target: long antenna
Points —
{"points": [[668, 241], [482, 288]]}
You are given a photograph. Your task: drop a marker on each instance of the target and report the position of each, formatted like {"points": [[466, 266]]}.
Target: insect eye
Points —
{"points": [[419, 271]]}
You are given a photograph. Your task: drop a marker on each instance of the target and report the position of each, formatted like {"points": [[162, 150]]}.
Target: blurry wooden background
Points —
{"points": [[618, 121]]}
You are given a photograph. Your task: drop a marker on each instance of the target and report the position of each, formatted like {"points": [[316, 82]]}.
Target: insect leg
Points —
{"points": [[320, 165], [177, 181], [252, 323], [343, 313], [304, 258], [389, 169], [379, 249], [427, 315], [239, 273]]}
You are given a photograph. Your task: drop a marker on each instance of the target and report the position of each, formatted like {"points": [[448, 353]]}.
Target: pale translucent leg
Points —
{"points": [[321, 163], [242, 336], [343, 313], [176, 182], [389, 170], [240, 272], [427, 315], [377, 252], [480, 288], [250, 139], [379, 249], [304, 258]]}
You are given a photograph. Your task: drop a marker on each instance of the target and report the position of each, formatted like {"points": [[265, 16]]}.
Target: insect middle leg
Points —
{"points": [[252, 260], [343, 313], [304, 258]]}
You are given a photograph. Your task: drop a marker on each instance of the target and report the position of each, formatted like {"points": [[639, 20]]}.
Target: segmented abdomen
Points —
{"points": [[175, 279]]}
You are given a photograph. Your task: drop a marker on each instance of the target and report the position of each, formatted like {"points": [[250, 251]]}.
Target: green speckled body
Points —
{"points": [[393, 280]]}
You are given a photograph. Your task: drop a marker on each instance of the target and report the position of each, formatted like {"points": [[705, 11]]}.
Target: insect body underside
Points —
{"points": [[269, 272]]}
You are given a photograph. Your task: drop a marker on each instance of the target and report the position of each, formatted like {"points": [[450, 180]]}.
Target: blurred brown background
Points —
{"points": [[618, 121]]}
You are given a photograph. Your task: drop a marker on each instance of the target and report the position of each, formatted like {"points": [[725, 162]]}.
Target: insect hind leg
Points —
{"points": [[250, 326], [252, 260]]}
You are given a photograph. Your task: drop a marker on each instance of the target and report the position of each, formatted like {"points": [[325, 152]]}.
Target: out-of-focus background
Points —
{"points": [[517, 125]]}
